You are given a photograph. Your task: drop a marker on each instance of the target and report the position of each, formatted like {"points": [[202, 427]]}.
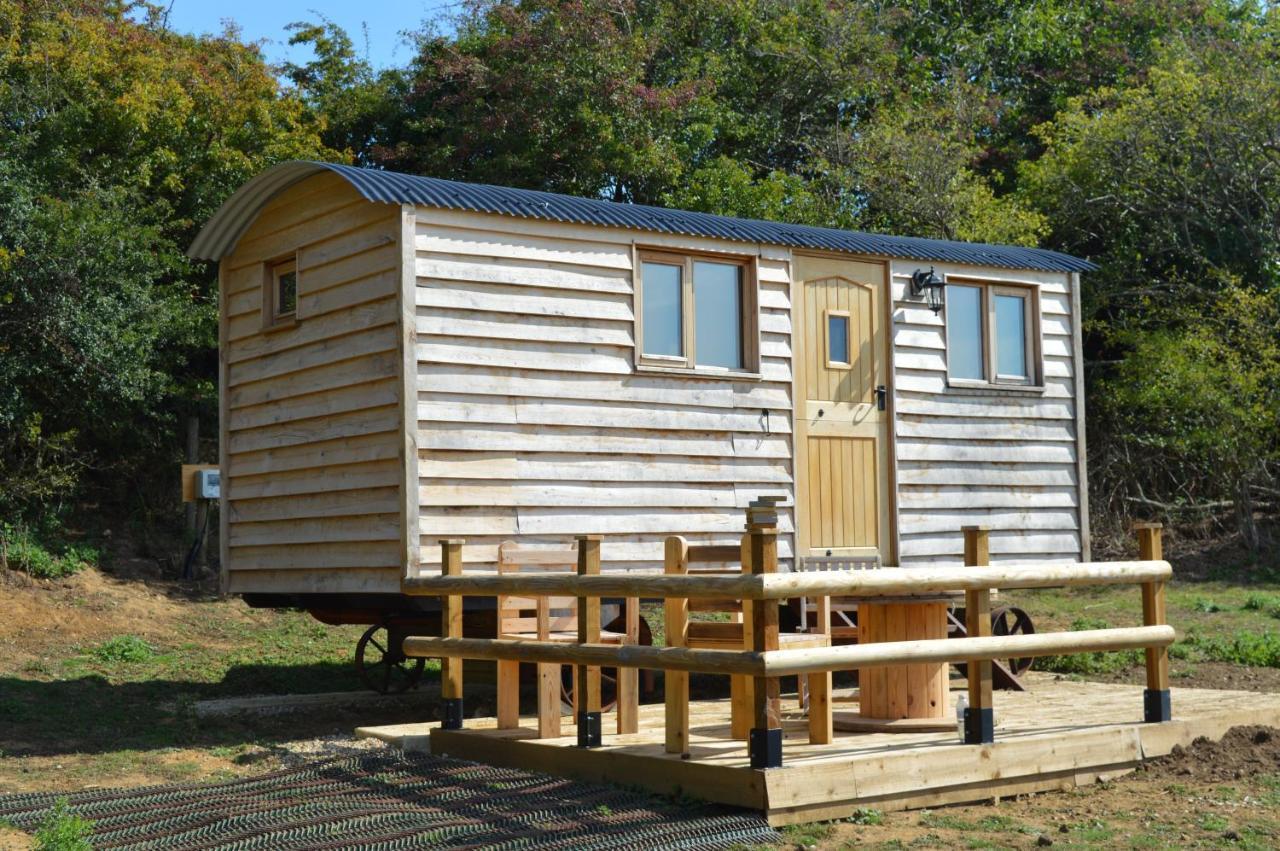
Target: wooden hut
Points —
{"points": [[406, 358]]}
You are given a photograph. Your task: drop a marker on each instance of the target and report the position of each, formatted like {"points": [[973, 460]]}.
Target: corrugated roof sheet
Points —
{"points": [[222, 232]]}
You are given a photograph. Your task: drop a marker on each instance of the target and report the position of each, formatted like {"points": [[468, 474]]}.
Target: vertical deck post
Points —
{"points": [[629, 678], [979, 722], [587, 683], [765, 742], [1155, 698], [451, 627], [676, 621]]}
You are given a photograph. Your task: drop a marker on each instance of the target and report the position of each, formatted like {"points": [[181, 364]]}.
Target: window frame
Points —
{"points": [[272, 271], [1032, 336], [847, 316], [687, 364]]}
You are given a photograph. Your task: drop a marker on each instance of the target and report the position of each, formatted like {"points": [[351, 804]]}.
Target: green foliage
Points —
{"points": [[119, 138], [21, 550], [124, 648], [1090, 663], [63, 830], [1257, 649]]}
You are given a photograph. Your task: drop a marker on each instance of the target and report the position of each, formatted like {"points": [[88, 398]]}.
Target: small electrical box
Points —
{"points": [[208, 484]]}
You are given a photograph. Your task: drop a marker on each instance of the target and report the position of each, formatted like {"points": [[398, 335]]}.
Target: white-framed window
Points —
{"points": [[993, 334], [696, 312], [280, 292]]}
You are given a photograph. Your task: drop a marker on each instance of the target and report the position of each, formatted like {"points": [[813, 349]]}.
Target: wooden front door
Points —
{"points": [[842, 449]]}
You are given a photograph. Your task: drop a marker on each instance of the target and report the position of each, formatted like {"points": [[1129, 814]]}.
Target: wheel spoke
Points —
{"points": [[375, 643]]}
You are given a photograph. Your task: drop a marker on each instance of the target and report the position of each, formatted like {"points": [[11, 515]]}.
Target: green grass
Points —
{"points": [[807, 834], [124, 648]]}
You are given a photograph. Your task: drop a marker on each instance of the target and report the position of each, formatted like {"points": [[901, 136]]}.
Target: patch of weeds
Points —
{"points": [[21, 550], [1212, 822], [929, 840], [1256, 602], [124, 648], [866, 816], [945, 821], [1002, 824], [1091, 663], [604, 810], [808, 834], [37, 666], [1206, 606], [1093, 831], [1259, 650], [63, 830]]}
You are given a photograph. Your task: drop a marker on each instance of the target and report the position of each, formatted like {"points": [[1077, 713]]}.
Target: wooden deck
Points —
{"points": [[1057, 735]]}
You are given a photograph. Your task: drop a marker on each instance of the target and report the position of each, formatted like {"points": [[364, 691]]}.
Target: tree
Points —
{"points": [[118, 139]]}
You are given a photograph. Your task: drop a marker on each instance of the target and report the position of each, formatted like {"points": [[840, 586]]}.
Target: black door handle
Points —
{"points": [[882, 397]]}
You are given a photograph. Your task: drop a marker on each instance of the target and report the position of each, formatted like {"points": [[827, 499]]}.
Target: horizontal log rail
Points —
{"points": [[760, 661], [781, 586], [785, 663]]}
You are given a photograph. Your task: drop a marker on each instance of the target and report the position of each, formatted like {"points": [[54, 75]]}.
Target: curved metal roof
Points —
{"points": [[221, 233]]}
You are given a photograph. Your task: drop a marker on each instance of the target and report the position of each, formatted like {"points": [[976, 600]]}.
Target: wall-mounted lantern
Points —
{"points": [[931, 286]]}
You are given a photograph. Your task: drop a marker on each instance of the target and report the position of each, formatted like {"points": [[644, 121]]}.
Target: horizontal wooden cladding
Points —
{"points": [[383, 500], [440, 238], [318, 479], [339, 400], [367, 527], [384, 580], [362, 342], [575, 467], [995, 451], [496, 299], [562, 493], [563, 357], [312, 232], [932, 382], [994, 495], [660, 522], [311, 456], [318, 556], [546, 329], [1026, 520], [990, 474], [529, 438], [1015, 429], [352, 424], [911, 404], [642, 388], [317, 379], [520, 272], [441, 408], [1047, 546], [315, 329], [618, 552]]}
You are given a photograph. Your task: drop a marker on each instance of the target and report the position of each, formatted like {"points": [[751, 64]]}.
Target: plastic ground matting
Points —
{"points": [[392, 801]]}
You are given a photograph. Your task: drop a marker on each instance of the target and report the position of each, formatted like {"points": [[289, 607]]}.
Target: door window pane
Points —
{"points": [[717, 298], [964, 332], [838, 339], [1011, 335], [662, 308]]}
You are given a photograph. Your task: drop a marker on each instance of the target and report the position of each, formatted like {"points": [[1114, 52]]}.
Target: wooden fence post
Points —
{"points": [[765, 741], [676, 621], [629, 678], [587, 682], [1155, 698], [451, 627], [979, 721]]}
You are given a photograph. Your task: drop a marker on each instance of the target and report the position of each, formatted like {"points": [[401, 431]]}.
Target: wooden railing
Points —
{"points": [[760, 587]]}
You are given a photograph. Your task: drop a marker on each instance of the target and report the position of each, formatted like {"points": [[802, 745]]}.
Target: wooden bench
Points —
{"points": [[814, 690], [554, 619]]}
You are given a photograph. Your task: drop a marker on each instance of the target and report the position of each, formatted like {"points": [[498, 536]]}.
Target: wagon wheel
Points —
{"points": [[1010, 620], [381, 663], [609, 676]]}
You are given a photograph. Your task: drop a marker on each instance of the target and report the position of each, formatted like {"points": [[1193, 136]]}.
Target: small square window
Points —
{"points": [[280, 293]]}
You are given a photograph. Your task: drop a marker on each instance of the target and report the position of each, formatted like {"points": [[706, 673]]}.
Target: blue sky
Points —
{"points": [[266, 19]]}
